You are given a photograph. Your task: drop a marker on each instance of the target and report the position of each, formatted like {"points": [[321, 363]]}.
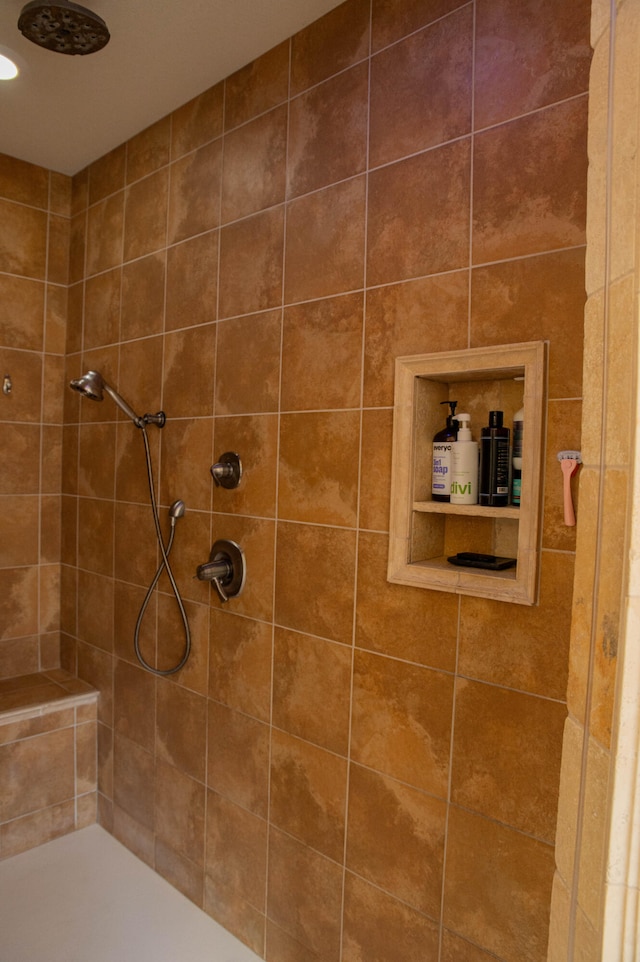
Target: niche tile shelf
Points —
{"points": [[423, 533]]}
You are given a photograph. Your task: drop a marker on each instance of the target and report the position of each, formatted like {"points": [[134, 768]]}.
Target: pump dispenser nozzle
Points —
{"points": [[452, 405]]}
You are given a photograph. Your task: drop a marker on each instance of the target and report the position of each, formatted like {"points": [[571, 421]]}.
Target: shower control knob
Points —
{"points": [[228, 471], [225, 569]]}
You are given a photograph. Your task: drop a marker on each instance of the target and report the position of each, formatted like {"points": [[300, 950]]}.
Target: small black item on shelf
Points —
{"points": [[470, 559]]}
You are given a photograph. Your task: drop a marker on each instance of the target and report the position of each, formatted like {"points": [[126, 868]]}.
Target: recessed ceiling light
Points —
{"points": [[8, 69]]}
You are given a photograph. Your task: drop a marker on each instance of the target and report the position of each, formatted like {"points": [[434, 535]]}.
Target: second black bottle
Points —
{"points": [[493, 487]]}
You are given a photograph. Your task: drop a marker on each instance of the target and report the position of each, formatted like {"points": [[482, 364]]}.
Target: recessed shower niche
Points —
{"points": [[424, 533]]}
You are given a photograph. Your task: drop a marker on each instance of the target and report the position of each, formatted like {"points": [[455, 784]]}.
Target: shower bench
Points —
{"points": [[48, 763]]}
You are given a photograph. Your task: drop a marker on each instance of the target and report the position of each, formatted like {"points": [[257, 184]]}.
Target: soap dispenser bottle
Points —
{"points": [[464, 464], [441, 463], [494, 462]]}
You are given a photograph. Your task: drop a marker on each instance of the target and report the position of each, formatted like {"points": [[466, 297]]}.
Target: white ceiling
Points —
{"points": [[62, 112]]}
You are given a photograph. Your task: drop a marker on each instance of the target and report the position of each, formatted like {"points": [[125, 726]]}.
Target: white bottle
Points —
{"points": [[464, 464]]}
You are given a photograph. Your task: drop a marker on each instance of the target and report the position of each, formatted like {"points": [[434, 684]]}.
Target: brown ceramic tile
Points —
{"points": [[29, 831], [455, 949], [148, 150], [20, 444], [145, 215], [318, 477], [390, 23], [58, 250], [95, 609], [238, 917], [21, 324], [254, 165], [506, 756], [53, 401], [74, 319], [330, 44], [180, 812], [307, 796], [36, 773], [186, 455], [240, 664], [134, 781], [483, 857], [95, 528], [49, 612], [375, 467], [537, 40], [132, 832], [535, 298], [397, 620], [314, 580], [322, 354], [142, 311], [102, 309], [18, 656], [23, 240], [172, 641], [251, 256], [18, 602], [106, 175], [525, 648], [238, 755], [325, 242], [23, 182], [261, 85], [184, 745], [80, 191], [185, 875], [255, 439], [407, 859], [96, 468], [140, 377], [401, 721], [438, 59], [96, 667], [127, 602], [419, 215], [236, 869], [131, 479], [248, 364], [311, 689], [194, 195], [328, 132], [189, 365], [26, 368], [417, 317], [197, 122], [60, 193], [377, 926], [104, 235], [50, 529], [192, 282], [86, 745], [539, 201], [135, 550], [134, 704], [56, 319], [77, 247], [304, 896]]}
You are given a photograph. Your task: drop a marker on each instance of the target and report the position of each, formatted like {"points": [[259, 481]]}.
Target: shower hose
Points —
{"points": [[164, 564]]}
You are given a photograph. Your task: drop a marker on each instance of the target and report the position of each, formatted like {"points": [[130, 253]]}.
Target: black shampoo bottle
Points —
{"points": [[493, 489]]}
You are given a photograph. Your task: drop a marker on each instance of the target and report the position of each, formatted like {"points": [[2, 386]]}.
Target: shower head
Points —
{"points": [[92, 385], [63, 27]]}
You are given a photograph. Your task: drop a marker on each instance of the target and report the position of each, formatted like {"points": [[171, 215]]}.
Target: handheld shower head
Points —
{"points": [[93, 385]]}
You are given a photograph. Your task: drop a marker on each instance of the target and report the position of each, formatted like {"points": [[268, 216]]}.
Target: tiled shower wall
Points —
{"points": [[345, 769], [34, 252]]}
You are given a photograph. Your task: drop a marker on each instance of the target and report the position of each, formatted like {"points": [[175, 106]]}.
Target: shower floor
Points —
{"points": [[85, 898]]}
